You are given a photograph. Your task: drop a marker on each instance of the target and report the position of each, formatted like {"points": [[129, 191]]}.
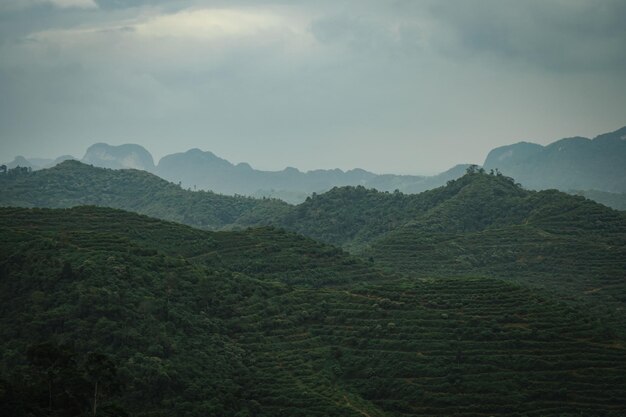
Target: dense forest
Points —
{"points": [[476, 298], [72, 183], [480, 224], [110, 313]]}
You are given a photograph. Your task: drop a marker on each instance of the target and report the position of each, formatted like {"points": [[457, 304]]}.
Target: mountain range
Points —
{"points": [[595, 168], [568, 164]]}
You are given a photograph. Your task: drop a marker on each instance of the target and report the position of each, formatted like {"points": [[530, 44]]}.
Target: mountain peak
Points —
{"points": [[574, 163], [20, 161], [119, 157]]}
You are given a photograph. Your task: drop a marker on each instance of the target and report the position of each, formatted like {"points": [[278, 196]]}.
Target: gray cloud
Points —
{"points": [[390, 86], [554, 34]]}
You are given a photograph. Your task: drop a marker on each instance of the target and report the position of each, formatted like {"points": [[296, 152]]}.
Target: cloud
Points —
{"points": [[82, 4], [62, 4], [178, 45], [413, 85], [558, 35], [210, 24]]}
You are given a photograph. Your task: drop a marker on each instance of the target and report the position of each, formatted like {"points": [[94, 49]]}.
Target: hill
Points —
{"points": [[461, 228], [170, 320], [479, 224], [567, 164], [73, 183]]}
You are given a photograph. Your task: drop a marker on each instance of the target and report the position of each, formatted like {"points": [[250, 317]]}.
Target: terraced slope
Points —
{"points": [[267, 323], [480, 224], [431, 348], [571, 245], [155, 297]]}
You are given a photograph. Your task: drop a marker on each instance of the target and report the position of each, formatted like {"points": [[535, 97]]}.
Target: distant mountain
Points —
{"points": [[577, 163], [568, 164], [204, 170], [119, 157], [40, 162], [36, 163], [20, 161]]}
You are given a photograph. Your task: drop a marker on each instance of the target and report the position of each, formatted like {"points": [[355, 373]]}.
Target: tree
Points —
{"points": [[49, 361], [67, 272], [102, 373]]}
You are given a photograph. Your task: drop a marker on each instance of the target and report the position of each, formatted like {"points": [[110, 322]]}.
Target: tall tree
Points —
{"points": [[101, 371]]}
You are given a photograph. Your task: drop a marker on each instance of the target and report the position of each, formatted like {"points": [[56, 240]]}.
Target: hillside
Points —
{"points": [[171, 320], [567, 164], [72, 183], [476, 225], [479, 224]]}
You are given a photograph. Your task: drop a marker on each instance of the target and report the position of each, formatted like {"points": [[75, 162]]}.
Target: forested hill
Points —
{"points": [[355, 216], [479, 224], [73, 183], [155, 319]]}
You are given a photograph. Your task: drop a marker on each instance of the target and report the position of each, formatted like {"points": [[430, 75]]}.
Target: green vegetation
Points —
{"points": [[112, 313], [157, 298], [480, 224], [170, 320], [72, 183]]}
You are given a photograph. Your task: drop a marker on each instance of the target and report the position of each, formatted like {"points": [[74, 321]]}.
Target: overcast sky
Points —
{"points": [[391, 86]]}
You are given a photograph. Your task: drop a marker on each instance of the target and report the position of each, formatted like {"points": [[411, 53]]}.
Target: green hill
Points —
{"points": [[479, 224], [73, 183], [493, 227], [353, 217], [171, 320]]}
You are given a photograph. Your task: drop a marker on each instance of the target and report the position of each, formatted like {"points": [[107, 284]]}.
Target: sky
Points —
{"points": [[392, 86]]}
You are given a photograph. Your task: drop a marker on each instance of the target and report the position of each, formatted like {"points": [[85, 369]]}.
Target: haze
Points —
{"points": [[389, 86]]}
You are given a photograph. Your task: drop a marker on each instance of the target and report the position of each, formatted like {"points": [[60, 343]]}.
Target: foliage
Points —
{"points": [[263, 322], [72, 183]]}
